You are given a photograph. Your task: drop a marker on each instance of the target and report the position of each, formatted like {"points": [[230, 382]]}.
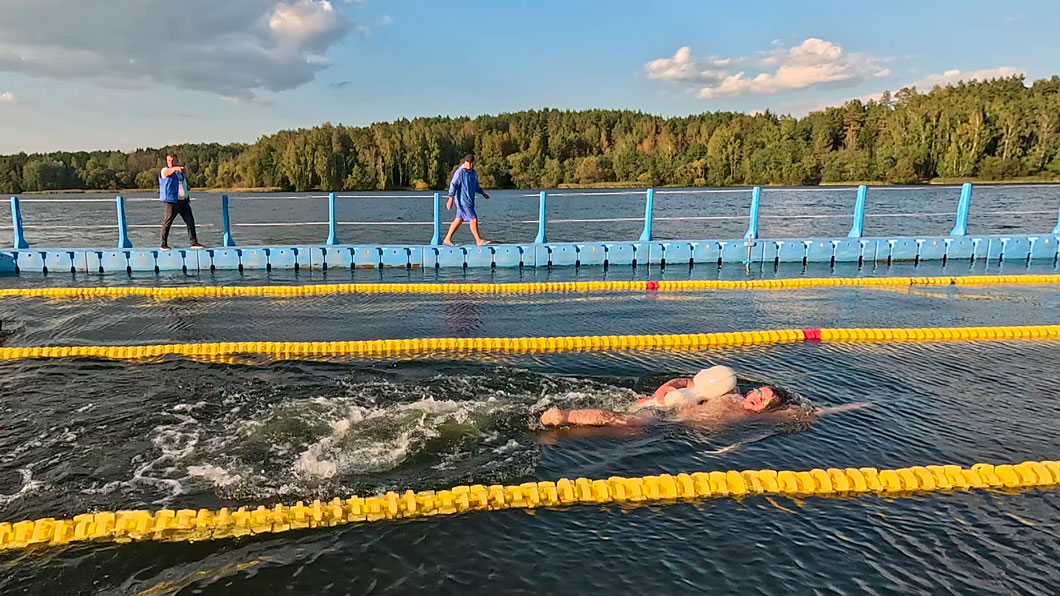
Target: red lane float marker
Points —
{"points": [[652, 285], [811, 334]]}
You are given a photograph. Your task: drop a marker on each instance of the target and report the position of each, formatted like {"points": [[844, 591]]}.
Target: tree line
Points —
{"points": [[993, 130]]}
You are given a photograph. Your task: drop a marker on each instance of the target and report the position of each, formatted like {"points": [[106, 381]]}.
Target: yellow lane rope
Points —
{"points": [[170, 293], [281, 350], [204, 524]]}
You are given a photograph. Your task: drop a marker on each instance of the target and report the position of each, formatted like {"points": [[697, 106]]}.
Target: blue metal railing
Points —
{"points": [[960, 227], [859, 213], [16, 223], [226, 237]]}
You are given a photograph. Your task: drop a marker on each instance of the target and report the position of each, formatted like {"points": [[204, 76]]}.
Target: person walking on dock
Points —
{"points": [[173, 192], [462, 191]]}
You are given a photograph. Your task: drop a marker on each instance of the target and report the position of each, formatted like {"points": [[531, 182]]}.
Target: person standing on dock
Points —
{"points": [[462, 191], [173, 192]]}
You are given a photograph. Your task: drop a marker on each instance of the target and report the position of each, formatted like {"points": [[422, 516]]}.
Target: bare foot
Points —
{"points": [[448, 243], [483, 242]]}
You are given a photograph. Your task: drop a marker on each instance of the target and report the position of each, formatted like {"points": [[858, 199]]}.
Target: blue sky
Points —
{"points": [[122, 74]]}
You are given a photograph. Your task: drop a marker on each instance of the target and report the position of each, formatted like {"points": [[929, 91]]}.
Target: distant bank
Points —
{"points": [[601, 185]]}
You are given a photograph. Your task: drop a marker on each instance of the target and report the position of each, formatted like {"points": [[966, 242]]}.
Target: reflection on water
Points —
{"points": [[462, 315]]}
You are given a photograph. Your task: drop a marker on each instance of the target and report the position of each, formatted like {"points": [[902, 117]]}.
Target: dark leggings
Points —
{"points": [[183, 209]]}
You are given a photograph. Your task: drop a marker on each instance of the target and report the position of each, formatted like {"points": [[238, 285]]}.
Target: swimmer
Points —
{"points": [[708, 400], [718, 412]]}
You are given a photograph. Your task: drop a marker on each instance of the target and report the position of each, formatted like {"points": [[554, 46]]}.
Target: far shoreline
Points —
{"points": [[1027, 181]]}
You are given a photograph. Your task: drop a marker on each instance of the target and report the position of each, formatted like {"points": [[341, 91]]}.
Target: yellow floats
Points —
{"points": [[172, 293], [204, 524], [390, 347]]}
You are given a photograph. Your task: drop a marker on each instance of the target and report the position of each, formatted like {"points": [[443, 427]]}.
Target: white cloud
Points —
{"points": [[308, 24], [952, 77], [681, 67], [925, 84], [814, 62], [234, 48], [8, 98]]}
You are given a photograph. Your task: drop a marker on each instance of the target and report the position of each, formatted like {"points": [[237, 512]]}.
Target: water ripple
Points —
{"points": [[83, 434]]}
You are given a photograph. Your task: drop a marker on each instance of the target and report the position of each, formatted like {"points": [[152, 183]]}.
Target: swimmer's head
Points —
{"points": [[766, 398], [714, 382]]}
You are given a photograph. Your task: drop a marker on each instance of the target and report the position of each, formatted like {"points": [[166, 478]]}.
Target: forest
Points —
{"points": [[992, 130]]}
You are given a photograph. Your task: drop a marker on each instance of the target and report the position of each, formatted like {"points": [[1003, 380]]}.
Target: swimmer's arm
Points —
{"points": [[842, 408], [557, 417], [671, 385]]}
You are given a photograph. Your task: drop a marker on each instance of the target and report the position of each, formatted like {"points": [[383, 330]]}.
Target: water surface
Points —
{"points": [[82, 434]]}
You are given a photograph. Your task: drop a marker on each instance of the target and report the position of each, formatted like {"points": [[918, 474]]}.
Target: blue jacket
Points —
{"points": [[169, 188], [465, 185]]}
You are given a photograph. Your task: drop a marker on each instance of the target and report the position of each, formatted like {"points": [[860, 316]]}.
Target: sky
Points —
{"points": [[123, 74]]}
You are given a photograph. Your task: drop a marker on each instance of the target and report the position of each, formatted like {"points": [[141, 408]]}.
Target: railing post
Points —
{"points": [[16, 224], [649, 204], [123, 228], [541, 221], [333, 238], [961, 227], [227, 239], [1056, 230], [436, 239], [859, 213], [752, 224]]}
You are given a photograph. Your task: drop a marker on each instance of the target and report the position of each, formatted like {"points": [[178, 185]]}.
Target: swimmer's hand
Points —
{"points": [[449, 204]]}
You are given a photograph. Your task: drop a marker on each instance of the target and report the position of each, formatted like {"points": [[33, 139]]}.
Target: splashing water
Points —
{"points": [[366, 435]]}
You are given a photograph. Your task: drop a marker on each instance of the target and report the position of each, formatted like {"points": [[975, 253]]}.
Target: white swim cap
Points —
{"points": [[715, 381]]}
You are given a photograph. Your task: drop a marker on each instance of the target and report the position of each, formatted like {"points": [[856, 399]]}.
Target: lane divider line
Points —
{"points": [[282, 350], [171, 293], [204, 524]]}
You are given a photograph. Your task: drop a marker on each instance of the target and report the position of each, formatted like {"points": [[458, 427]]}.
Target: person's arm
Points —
{"points": [[558, 417], [842, 408], [671, 385], [167, 172], [478, 189], [454, 189]]}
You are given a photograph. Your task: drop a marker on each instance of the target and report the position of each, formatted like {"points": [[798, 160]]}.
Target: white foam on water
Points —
{"points": [[252, 446], [163, 470], [215, 474], [508, 447], [29, 486], [310, 465], [369, 441]]}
